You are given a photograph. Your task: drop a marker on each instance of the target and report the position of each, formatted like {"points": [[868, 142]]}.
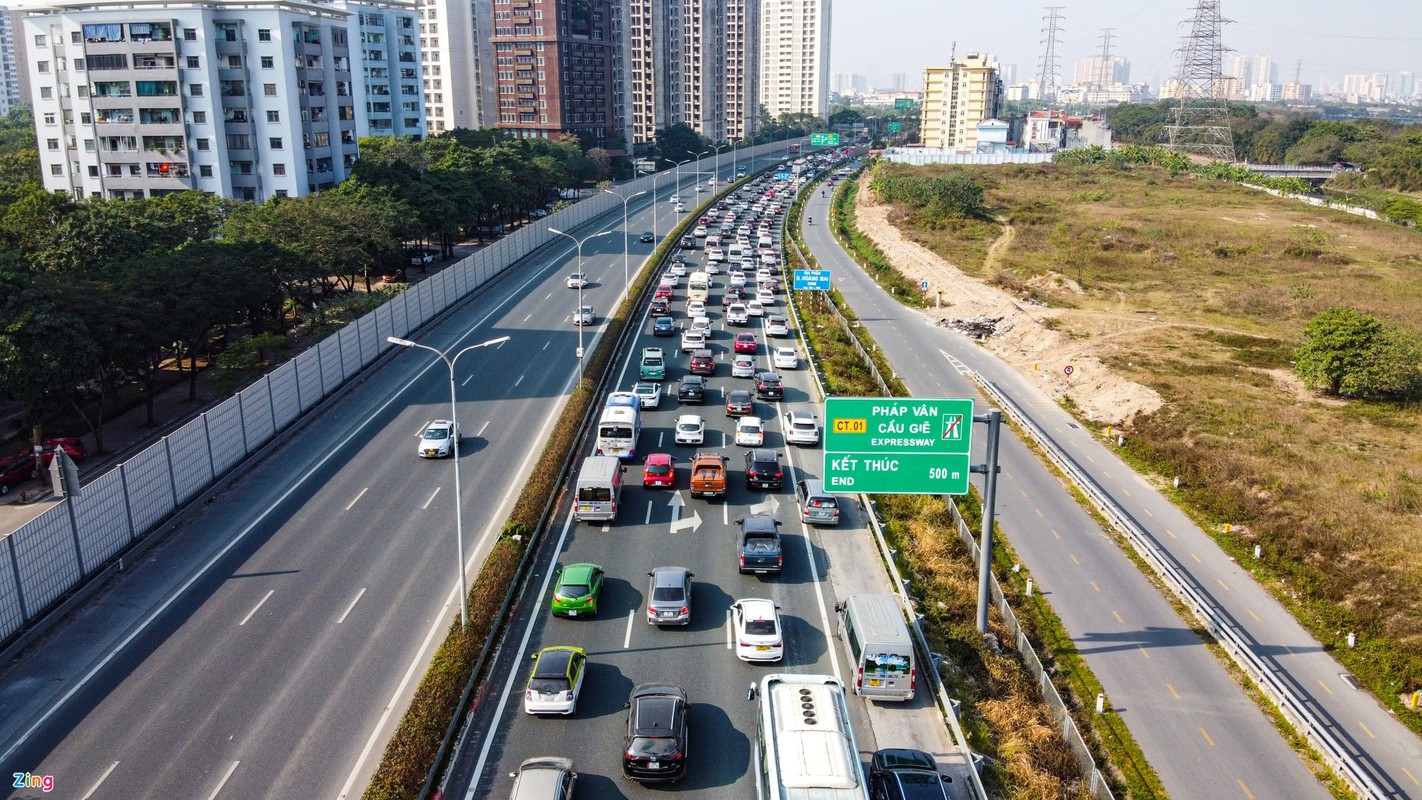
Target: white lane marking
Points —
{"points": [[483, 427], [520, 380], [730, 631], [545, 344], [223, 782], [631, 621], [649, 513], [357, 498], [432, 497], [660, 436], [352, 606], [269, 593], [515, 674], [101, 779], [548, 296], [725, 514], [530, 316], [466, 381]]}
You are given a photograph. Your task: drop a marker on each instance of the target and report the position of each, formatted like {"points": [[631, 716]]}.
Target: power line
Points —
{"points": [[1047, 78], [1200, 124], [1105, 72]]}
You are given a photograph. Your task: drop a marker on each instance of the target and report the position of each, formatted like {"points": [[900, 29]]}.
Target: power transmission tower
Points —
{"points": [[1298, 71], [1106, 74], [1047, 78], [1200, 124]]}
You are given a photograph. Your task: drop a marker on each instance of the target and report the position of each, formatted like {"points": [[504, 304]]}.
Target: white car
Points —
{"points": [[578, 280], [700, 232], [437, 440], [701, 325], [677, 268], [786, 358], [743, 366], [695, 308], [690, 429], [668, 279], [584, 316], [777, 326], [755, 308], [765, 297], [737, 279], [801, 428], [736, 314], [692, 340], [762, 275], [757, 630], [750, 432], [710, 268], [650, 394]]}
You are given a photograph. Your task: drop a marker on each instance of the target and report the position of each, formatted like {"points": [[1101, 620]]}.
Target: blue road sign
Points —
{"points": [[812, 279]]}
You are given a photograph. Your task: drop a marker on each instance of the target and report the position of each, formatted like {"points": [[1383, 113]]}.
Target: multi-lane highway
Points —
{"points": [[1197, 728], [268, 646]]}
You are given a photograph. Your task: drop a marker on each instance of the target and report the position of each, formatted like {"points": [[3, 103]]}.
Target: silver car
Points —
{"points": [[544, 778], [669, 596]]}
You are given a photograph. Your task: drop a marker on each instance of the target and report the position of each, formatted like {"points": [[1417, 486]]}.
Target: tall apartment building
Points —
{"points": [[458, 55], [692, 62], [555, 62], [794, 56], [1096, 71], [266, 99], [956, 99]]}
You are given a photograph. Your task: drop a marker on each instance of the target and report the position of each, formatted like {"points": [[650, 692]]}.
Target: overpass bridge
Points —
{"points": [[1304, 171]]}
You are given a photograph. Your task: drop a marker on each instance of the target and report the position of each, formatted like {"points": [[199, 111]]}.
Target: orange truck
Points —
{"points": [[708, 475]]}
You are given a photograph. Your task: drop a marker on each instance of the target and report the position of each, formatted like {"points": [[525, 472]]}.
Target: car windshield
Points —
{"points": [[652, 746], [658, 469], [652, 361], [760, 627], [437, 433], [688, 426]]}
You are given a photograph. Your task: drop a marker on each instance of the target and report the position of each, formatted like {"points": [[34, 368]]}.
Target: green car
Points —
{"points": [[654, 365], [579, 587]]}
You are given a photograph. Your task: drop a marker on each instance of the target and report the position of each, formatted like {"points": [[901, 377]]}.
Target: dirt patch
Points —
{"points": [[1034, 340]]}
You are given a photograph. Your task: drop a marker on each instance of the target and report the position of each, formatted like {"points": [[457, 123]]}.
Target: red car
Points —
{"points": [[16, 469], [664, 292], [74, 447], [745, 343], [659, 470]]}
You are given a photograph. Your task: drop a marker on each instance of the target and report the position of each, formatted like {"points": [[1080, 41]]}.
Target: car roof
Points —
{"points": [[578, 573], [694, 378], [749, 421], [554, 660], [737, 394], [801, 416], [670, 576], [659, 458], [437, 422], [757, 608], [900, 757], [763, 453], [758, 522]]}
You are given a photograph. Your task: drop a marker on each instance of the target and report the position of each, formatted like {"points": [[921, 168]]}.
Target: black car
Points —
{"points": [[689, 242], [678, 257], [691, 390], [647, 236], [763, 469], [902, 774], [768, 386], [660, 306], [663, 326], [702, 363], [654, 747], [739, 403]]}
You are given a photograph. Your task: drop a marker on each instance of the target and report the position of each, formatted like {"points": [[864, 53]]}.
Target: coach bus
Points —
{"points": [[805, 748]]}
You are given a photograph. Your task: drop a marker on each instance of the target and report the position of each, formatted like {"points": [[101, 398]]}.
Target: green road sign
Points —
{"points": [[824, 140], [895, 127], [897, 445], [903, 103]]}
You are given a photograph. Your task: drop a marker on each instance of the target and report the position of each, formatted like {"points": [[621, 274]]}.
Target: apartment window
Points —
{"points": [[281, 193], [49, 118], [195, 90], [278, 169], [269, 89], [190, 34], [39, 40], [56, 169], [321, 138], [274, 142], [88, 145], [268, 62], [199, 117], [234, 62], [53, 144], [93, 171], [43, 67], [194, 62], [86, 118], [78, 65], [273, 116], [204, 171], [202, 144], [264, 34]]}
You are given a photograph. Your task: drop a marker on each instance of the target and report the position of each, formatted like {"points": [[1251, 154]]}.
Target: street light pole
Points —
{"points": [[579, 243], [454, 420], [626, 280]]}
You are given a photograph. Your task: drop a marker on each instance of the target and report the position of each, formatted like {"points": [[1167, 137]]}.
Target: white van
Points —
{"points": [[714, 240], [598, 490], [735, 252], [877, 644]]}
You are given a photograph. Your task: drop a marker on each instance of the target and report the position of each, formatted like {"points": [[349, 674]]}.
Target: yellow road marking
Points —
{"points": [[1023, 492], [1247, 793], [1055, 534], [1325, 686], [1039, 513], [1172, 533], [1073, 559], [1173, 693], [1413, 777], [1147, 511], [1144, 652], [1222, 584], [1197, 558], [1094, 586], [1365, 729], [1119, 617], [1207, 737], [1126, 492], [1257, 618]]}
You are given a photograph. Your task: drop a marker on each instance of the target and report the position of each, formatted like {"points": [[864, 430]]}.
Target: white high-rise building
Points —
{"points": [[12, 66], [794, 56], [1093, 71], [1263, 70], [456, 42], [252, 101], [956, 99]]}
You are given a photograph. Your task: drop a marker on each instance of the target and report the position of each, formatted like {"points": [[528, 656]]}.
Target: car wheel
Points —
{"points": [[4, 488]]}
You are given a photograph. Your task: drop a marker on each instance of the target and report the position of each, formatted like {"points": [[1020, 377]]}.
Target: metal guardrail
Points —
{"points": [[1294, 708]]}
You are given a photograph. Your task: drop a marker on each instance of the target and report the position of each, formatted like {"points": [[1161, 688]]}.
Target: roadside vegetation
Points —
{"points": [[1283, 338]]}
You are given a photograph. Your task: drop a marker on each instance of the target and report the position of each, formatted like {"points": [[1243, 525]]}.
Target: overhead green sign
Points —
{"points": [[903, 103], [824, 140], [885, 445], [895, 127]]}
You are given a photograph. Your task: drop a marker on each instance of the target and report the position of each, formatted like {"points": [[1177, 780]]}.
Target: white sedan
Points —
{"points": [[786, 358], [777, 326], [801, 428], [743, 366], [690, 429], [755, 308], [750, 432], [578, 280], [757, 630], [437, 441], [584, 316], [649, 395]]}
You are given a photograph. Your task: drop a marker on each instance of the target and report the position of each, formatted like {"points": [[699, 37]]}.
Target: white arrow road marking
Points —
{"points": [[769, 506]]}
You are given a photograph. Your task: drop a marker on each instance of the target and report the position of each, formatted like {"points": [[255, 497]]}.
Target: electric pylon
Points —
{"points": [[1047, 78], [1200, 124]]}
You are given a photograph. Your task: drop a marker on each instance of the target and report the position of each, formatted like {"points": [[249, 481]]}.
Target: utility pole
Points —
{"points": [[1106, 74], [1047, 77], [1200, 124]]}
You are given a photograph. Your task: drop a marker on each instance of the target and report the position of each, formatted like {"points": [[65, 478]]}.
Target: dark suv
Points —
{"points": [[691, 390], [768, 386], [654, 747], [702, 363], [663, 326], [902, 774], [763, 469]]}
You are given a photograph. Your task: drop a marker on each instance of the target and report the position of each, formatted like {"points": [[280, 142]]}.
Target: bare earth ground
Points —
{"points": [[1024, 339]]}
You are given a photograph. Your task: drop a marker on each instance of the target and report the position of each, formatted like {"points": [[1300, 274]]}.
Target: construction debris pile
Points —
{"points": [[978, 327]]}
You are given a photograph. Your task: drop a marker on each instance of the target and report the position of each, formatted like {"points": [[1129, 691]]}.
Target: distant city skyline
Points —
{"points": [[920, 33]]}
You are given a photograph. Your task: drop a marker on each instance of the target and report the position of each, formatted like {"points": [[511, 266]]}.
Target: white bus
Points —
{"points": [[619, 426], [698, 287], [805, 748]]}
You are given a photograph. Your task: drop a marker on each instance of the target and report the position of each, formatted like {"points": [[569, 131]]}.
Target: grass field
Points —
{"points": [[1200, 290]]}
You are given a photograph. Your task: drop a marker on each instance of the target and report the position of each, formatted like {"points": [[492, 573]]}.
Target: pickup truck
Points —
{"points": [[708, 475], [758, 540]]}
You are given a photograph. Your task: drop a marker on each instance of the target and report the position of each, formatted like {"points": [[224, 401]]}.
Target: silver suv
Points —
{"points": [[669, 596], [544, 778]]}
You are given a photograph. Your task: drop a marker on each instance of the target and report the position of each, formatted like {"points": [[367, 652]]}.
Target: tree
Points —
{"points": [[680, 143], [1349, 353]]}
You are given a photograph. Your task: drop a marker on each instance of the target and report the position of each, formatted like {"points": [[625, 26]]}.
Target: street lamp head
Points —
{"points": [[555, 230], [499, 340], [399, 341]]}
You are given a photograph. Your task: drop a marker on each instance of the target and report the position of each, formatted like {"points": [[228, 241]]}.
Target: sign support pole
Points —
{"points": [[990, 469]]}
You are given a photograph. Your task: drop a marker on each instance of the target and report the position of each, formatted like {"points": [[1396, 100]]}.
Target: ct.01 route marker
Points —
{"points": [[885, 445]]}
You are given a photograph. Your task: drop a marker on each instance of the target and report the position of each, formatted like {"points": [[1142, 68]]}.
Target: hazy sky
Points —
{"points": [[1331, 37]]}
